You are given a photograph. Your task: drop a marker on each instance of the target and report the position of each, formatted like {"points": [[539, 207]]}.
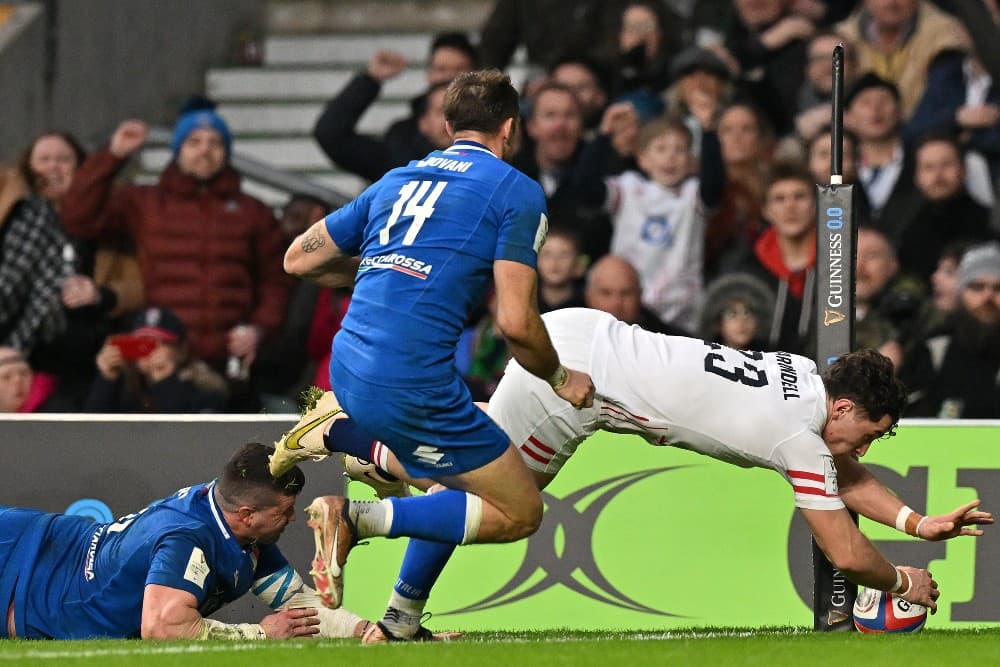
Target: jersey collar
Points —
{"points": [[468, 145], [217, 512]]}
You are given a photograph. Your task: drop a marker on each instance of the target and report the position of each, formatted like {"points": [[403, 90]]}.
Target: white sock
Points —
{"points": [[402, 616], [372, 518], [473, 517]]}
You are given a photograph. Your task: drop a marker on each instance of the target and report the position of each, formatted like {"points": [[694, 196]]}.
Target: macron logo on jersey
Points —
{"points": [[397, 262], [429, 455]]}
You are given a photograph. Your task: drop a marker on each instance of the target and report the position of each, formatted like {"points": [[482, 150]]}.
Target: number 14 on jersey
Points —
{"points": [[416, 200]]}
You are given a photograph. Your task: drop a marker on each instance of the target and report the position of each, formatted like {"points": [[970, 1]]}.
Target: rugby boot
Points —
{"points": [[367, 472], [335, 536], [305, 440]]}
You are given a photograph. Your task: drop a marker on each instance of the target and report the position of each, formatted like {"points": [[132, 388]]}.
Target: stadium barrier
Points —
{"points": [[634, 536]]}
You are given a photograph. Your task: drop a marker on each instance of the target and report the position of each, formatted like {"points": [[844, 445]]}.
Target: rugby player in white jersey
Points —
{"points": [[752, 409]]}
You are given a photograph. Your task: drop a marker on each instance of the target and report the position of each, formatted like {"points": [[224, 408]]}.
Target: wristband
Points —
{"points": [[916, 530], [904, 514], [898, 588], [559, 378]]}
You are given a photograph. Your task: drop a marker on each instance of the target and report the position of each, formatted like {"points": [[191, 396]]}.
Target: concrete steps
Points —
{"points": [[272, 108]]}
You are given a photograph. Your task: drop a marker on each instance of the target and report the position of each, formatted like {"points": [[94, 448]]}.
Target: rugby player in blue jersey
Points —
{"points": [[158, 573], [431, 236]]}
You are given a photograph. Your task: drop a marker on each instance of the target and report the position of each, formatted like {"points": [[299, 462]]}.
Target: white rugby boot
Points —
{"points": [[367, 472], [305, 440]]}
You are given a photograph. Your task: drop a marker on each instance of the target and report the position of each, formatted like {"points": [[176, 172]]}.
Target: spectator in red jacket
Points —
{"points": [[207, 251]]}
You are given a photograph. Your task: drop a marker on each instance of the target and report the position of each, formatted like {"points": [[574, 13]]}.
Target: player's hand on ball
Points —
{"points": [[922, 590], [953, 524], [290, 623], [578, 390]]}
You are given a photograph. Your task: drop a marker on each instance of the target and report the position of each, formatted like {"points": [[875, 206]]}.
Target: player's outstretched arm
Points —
{"points": [[525, 333], [315, 257], [864, 494], [170, 613], [854, 555]]}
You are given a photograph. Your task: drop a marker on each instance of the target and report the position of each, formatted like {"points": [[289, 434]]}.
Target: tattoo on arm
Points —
{"points": [[312, 241]]}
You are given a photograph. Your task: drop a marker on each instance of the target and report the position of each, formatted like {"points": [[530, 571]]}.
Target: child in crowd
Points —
{"points": [[659, 215], [151, 370], [738, 310], [561, 266], [21, 389]]}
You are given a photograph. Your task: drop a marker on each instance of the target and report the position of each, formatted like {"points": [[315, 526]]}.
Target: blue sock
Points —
{"points": [[422, 564], [346, 436], [439, 517]]}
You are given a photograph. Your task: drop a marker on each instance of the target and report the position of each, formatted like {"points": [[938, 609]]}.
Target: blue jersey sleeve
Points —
{"points": [[524, 224], [346, 225], [180, 562], [269, 560]]}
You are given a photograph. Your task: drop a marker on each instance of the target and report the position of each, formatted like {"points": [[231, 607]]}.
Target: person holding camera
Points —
{"points": [[151, 369]]}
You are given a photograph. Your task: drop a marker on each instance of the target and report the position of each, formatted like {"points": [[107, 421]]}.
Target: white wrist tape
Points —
{"points": [[904, 514], [917, 529], [559, 378], [898, 588], [212, 629]]}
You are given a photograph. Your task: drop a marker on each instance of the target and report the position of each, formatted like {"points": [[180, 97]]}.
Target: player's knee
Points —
{"points": [[529, 517]]}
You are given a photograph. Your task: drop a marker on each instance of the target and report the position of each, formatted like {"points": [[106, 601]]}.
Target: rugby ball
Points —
{"points": [[877, 612]]}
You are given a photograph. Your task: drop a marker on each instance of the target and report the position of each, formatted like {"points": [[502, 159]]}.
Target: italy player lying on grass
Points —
{"points": [[751, 409], [158, 573]]}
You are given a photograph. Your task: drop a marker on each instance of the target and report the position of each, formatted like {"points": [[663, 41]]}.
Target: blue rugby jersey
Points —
{"points": [[88, 579], [428, 235]]}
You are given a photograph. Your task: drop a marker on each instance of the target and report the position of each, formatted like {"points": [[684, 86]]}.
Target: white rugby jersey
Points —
{"points": [[661, 231], [750, 409]]}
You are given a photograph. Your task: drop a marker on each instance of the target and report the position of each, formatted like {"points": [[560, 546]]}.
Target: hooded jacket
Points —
{"points": [[791, 326]]}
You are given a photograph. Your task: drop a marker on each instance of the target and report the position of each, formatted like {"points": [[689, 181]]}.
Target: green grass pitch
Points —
{"points": [[780, 647]]}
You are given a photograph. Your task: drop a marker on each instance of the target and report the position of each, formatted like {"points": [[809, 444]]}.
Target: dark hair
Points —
{"points": [[765, 129], [826, 131], [24, 164], [246, 479], [480, 101], [596, 69], [419, 104], [789, 171], [553, 86], [458, 41], [660, 126], [310, 199], [867, 378], [568, 233], [939, 136]]}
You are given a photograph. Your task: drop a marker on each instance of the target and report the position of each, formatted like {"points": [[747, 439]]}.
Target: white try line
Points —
{"points": [[144, 649]]}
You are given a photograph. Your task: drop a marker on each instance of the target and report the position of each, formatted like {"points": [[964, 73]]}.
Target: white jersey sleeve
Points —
{"points": [[806, 462]]}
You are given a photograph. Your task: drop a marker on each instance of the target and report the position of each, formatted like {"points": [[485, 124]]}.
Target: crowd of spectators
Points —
{"points": [[678, 144]]}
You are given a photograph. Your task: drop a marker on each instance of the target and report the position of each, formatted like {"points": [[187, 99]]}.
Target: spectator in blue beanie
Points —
{"points": [[207, 251]]}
